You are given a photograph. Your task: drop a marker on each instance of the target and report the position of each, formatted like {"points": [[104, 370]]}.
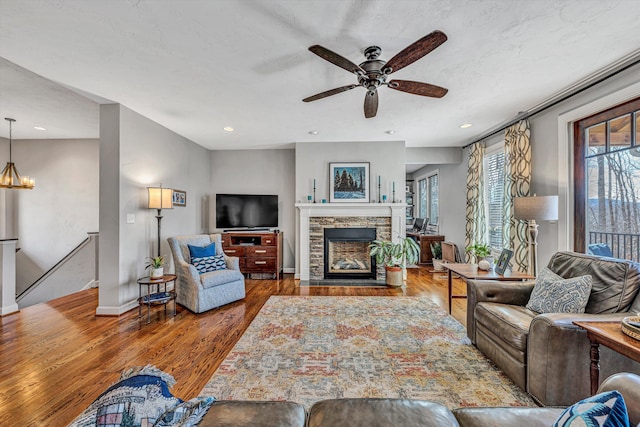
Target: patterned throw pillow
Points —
{"points": [[553, 294], [139, 398], [606, 409], [209, 263]]}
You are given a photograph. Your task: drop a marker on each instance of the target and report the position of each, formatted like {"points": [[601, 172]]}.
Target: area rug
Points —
{"points": [[306, 349]]}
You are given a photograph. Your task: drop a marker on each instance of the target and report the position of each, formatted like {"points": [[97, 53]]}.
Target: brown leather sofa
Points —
{"points": [[546, 354], [400, 412]]}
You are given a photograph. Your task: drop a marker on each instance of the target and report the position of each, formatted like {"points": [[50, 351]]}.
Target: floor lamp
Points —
{"points": [[530, 209], [160, 198]]}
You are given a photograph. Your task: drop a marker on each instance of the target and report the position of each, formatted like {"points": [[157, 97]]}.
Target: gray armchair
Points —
{"points": [[546, 354], [202, 292]]}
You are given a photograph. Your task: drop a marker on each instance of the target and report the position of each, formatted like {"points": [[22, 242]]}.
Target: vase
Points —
{"points": [[157, 273], [393, 276], [437, 264]]}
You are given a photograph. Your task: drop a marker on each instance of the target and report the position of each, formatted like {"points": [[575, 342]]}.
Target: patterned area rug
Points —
{"points": [[306, 349]]}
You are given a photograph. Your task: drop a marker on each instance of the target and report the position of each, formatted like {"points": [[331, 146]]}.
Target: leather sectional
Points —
{"points": [[546, 354]]}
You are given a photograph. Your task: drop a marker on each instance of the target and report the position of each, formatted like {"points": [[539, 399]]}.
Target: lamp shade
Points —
{"points": [[160, 198], [542, 208]]}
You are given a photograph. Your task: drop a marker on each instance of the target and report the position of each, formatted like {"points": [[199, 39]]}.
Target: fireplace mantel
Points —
{"points": [[396, 211]]}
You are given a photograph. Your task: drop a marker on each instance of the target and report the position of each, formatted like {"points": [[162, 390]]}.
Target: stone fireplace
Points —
{"points": [[387, 219]]}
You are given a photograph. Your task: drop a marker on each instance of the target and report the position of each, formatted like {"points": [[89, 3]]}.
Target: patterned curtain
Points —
{"points": [[517, 182], [476, 228]]}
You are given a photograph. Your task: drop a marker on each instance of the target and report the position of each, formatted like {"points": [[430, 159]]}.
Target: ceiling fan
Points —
{"points": [[373, 72]]}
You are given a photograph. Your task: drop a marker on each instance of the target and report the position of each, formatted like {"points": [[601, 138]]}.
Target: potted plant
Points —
{"points": [[395, 257], [156, 265], [482, 253], [436, 256]]}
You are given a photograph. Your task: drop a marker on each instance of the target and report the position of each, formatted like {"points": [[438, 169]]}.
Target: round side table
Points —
{"points": [[157, 297]]}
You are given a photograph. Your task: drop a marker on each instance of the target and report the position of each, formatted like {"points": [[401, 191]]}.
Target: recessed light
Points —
{"points": [[466, 125], [313, 132], [228, 128], [390, 131], [39, 128]]}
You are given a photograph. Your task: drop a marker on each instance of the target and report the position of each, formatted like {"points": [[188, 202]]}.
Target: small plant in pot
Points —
{"points": [[395, 257], [156, 265], [482, 253], [436, 256]]}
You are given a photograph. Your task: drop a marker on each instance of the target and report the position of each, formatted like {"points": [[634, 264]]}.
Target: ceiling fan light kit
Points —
{"points": [[373, 72]]}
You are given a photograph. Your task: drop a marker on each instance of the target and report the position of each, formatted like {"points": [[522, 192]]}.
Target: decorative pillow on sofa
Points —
{"points": [[553, 294], [140, 397], [606, 409], [202, 251], [209, 263]]}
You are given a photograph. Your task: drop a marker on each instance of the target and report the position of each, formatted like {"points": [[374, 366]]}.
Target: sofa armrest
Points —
{"points": [[514, 293], [232, 262], [558, 361]]}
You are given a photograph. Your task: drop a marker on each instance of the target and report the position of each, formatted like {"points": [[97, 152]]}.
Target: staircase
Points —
{"points": [[78, 270]]}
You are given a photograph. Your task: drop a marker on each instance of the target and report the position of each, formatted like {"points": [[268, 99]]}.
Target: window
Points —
{"points": [[428, 195], [422, 198], [494, 192], [607, 181], [432, 185]]}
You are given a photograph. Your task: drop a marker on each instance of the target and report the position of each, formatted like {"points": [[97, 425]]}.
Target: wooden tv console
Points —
{"points": [[259, 252]]}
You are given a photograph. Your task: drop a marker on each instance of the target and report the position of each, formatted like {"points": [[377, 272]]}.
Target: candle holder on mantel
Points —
{"points": [[393, 197], [314, 191], [379, 198]]}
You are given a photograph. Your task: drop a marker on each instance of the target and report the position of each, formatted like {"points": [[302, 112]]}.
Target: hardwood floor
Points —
{"points": [[57, 357]]}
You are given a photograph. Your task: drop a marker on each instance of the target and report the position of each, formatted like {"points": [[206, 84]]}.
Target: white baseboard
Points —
{"points": [[289, 270], [91, 284], [10, 309], [116, 311], [296, 276]]}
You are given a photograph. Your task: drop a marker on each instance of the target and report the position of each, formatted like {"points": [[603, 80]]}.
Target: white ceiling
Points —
{"points": [[198, 66]]}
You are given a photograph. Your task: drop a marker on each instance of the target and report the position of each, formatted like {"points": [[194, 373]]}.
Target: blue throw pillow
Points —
{"points": [[202, 251], [602, 410], [209, 263]]}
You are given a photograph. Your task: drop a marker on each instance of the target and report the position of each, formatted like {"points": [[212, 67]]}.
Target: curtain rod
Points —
{"points": [[614, 69]]}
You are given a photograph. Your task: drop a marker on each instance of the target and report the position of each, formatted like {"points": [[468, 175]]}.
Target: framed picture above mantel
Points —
{"points": [[349, 182]]}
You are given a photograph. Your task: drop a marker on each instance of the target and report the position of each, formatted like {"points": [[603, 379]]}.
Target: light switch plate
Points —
{"points": [[131, 218]]}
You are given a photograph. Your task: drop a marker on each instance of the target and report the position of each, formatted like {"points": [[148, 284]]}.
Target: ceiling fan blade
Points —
{"points": [[329, 93], [415, 51], [336, 59], [418, 88], [371, 104]]}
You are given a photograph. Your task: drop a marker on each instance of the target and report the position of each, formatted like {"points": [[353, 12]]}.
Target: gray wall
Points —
{"points": [[386, 159], [259, 172], [54, 217], [135, 153]]}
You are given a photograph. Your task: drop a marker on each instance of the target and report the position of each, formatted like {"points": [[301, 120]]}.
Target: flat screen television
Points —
{"points": [[246, 211]]}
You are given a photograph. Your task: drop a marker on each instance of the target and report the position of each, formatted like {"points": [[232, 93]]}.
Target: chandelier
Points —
{"points": [[10, 177]]}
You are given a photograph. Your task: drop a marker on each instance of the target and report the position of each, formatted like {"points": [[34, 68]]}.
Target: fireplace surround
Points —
{"points": [[387, 218]]}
